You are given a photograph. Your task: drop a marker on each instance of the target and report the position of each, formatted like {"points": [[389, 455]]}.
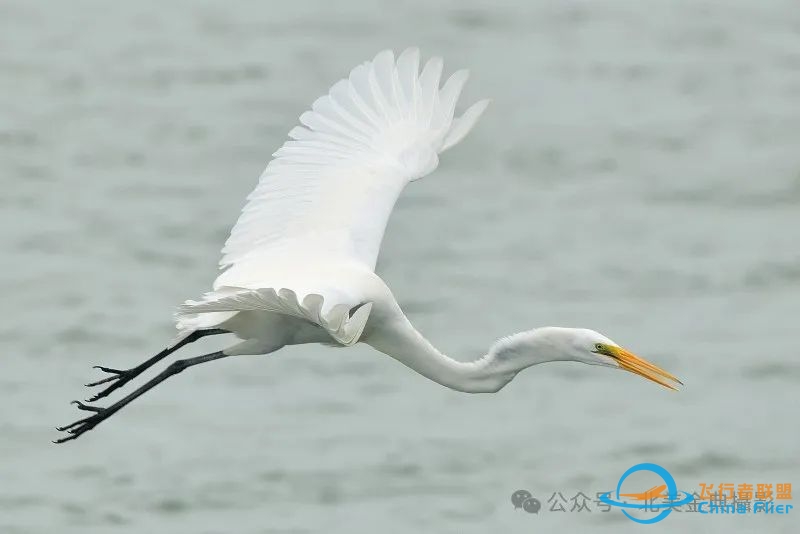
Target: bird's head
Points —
{"points": [[580, 345], [594, 348]]}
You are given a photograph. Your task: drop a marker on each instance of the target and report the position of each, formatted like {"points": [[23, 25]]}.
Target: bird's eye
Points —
{"points": [[598, 347]]}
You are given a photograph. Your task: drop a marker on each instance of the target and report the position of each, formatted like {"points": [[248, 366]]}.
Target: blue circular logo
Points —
{"points": [[672, 496]]}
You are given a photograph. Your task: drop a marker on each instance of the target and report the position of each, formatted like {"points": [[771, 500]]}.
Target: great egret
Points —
{"points": [[299, 263]]}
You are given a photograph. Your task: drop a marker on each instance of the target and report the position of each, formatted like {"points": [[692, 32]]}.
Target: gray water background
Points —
{"points": [[638, 172]]}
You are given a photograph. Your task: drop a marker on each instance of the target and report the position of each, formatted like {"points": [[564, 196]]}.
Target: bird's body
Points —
{"points": [[299, 265]]}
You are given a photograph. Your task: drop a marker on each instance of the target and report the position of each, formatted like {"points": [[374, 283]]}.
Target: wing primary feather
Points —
{"points": [[449, 95], [327, 194], [407, 73], [429, 88]]}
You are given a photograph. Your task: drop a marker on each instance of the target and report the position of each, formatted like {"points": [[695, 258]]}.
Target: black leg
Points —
{"points": [[119, 377], [101, 414]]}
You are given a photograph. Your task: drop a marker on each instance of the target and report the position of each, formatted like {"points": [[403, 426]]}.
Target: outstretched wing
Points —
{"points": [[343, 321], [329, 190]]}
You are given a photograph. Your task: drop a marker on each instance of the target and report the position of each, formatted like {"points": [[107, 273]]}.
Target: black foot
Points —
{"points": [[86, 424], [118, 379]]}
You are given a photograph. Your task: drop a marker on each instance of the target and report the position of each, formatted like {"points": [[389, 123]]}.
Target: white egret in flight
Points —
{"points": [[299, 264]]}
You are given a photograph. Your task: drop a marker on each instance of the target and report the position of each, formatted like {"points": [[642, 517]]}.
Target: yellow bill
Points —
{"points": [[631, 362]]}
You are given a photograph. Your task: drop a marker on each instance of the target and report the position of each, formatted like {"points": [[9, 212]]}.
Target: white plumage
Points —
{"points": [[334, 183], [299, 264], [327, 195]]}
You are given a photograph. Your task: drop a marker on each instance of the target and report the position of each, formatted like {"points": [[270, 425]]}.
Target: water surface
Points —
{"points": [[638, 173]]}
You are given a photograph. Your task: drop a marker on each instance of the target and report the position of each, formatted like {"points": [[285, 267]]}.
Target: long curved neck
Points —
{"points": [[399, 339]]}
